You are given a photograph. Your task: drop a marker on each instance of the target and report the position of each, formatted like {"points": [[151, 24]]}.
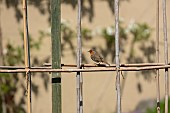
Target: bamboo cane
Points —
{"points": [[157, 57], [27, 56], [116, 9], [79, 76], [69, 70], [166, 55]]}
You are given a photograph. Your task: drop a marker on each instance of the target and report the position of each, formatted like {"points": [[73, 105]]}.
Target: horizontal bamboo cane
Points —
{"points": [[48, 65], [86, 70]]}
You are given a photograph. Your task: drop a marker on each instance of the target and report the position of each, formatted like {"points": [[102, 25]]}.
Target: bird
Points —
{"points": [[96, 57]]}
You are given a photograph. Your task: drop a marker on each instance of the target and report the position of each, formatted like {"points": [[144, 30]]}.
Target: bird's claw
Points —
{"points": [[122, 75], [96, 64]]}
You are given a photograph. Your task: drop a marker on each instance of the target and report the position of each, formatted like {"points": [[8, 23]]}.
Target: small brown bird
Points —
{"points": [[96, 57]]}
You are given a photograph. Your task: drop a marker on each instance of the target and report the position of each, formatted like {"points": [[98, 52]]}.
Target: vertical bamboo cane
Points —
{"points": [[1, 47], [27, 56], [157, 56], [116, 9], [79, 76], [4, 110], [56, 54], [166, 55]]}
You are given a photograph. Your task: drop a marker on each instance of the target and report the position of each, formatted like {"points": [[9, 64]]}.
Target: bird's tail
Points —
{"points": [[107, 64]]}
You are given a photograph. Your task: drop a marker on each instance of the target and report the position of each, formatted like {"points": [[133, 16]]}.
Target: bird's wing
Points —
{"points": [[98, 56]]}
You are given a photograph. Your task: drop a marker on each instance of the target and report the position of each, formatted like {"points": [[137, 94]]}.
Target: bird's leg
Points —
{"points": [[122, 75], [95, 64]]}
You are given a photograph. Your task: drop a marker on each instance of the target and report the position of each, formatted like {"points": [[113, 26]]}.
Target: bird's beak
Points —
{"points": [[88, 51]]}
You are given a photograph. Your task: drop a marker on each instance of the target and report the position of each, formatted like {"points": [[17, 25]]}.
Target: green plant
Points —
{"points": [[11, 83], [162, 107]]}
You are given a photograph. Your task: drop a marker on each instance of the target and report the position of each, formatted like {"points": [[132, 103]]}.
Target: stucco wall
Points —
{"points": [[98, 88]]}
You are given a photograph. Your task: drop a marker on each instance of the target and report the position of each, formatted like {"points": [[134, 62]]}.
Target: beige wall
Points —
{"points": [[98, 88]]}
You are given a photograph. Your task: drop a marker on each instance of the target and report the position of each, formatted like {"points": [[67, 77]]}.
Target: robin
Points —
{"points": [[96, 57]]}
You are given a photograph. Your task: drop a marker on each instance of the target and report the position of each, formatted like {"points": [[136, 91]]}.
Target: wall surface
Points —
{"points": [[98, 88]]}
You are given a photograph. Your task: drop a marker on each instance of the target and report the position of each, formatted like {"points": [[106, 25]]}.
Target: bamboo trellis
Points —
{"points": [[79, 68]]}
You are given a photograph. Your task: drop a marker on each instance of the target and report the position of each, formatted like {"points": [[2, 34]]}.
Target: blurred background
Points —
{"points": [[137, 45]]}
